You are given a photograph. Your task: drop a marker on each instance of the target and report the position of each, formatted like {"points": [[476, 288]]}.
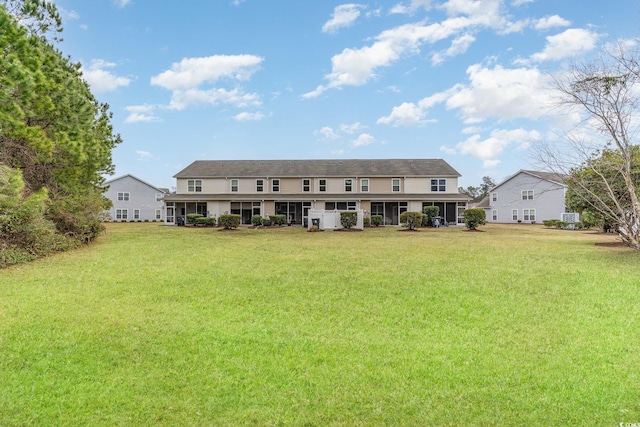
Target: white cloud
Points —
{"points": [[328, 133], [521, 2], [551, 22], [413, 6], [490, 148], [144, 155], [343, 16], [363, 139], [352, 128], [458, 46], [186, 77], [412, 114], [122, 3], [100, 79], [246, 116], [141, 113], [571, 42]]}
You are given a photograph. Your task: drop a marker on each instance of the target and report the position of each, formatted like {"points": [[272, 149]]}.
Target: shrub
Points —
{"points": [[278, 219], [265, 221], [256, 220], [205, 221], [376, 220], [229, 221], [430, 212], [348, 219], [474, 217], [192, 217], [411, 220], [366, 221]]}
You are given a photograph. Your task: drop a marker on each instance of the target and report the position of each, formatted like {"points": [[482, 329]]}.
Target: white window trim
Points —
{"points": [[526, 196], [274, 185], [527, 214], [136, 214], [309, 185], [320, 185], [158, 214], [362, 181], [237, 185], [399, 185], [196, 187], [261, 185], [123, 196], [514, 213], [494, 215], [494, 197], [124, 214]]}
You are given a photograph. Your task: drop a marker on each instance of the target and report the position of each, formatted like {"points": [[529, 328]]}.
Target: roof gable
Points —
{"points": [[544, 176], [324, 168], [129, 176]]}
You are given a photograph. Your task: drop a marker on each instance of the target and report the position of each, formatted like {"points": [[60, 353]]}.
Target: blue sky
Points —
{"points": [[463, 80]]}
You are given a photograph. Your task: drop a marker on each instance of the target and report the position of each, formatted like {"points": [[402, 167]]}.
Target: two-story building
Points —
{"points": [[384, 187], [526, 196], [133, 199]]}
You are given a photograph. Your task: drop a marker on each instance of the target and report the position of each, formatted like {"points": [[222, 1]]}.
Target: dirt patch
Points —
{"points": [[612, 244], [411, 231], [474, 230], [347, 229]]}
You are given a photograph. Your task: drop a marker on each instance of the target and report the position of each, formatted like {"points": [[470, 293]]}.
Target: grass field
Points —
{"points": [[153, 325]]}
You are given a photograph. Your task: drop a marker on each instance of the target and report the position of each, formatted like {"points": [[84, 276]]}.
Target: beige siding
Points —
{"points": [[416, 185], [269, 208]]}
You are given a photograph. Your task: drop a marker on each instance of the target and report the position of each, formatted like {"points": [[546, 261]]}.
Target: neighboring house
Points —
{"points": [[526, 196], [294, 187], [135, 200]]}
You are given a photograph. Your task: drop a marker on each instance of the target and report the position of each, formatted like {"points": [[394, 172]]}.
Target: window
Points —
{"points": [[275, 185], [514, 214], [364, 185], [136, 214], [395, 185], [351, 206], [259, 185], [341, 206], [158, 213], [322, 185], [234, 185], [529, 214], [123, 197], [194, 185], [306, 185], [438, 185], [494, 215], [494, 197], [159, 197], [527, 194], [122, 214], [348, 185]]}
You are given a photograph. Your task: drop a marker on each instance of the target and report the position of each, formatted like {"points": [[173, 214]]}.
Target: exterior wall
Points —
{"points": [[142, 197], [548, 199]]}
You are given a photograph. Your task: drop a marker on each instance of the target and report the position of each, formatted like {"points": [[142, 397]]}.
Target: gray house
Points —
{"points": [[526, 196], [385, 187], [135, 200]]}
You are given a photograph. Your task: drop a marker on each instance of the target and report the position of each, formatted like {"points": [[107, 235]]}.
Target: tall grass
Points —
{"points": [[154, 325]]}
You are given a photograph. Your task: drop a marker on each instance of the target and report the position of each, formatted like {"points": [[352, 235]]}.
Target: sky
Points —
{"points": [[468, 81]]}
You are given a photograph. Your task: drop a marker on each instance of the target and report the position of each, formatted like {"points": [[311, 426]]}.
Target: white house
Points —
{"points": [[135, 200], [526, 196]]}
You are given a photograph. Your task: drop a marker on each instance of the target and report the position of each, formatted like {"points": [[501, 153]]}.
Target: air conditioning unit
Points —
{"points": [[570, 217]]}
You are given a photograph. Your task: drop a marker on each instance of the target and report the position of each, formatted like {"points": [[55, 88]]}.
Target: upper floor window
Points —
{"points": [[494, 197], [395, 185], [527, 194], [322, 185], [438, 185], [275, 185], [234, 185], [194, 185], [348, 185], [364, 185], [123, 197], [259, 185], [306, 185], [159, 197]]}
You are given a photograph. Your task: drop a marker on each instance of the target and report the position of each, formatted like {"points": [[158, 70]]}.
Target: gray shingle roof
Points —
{"points": [[318, 168]]}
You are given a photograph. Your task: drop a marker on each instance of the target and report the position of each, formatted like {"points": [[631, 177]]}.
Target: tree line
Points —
{"points": [[56, 139]]}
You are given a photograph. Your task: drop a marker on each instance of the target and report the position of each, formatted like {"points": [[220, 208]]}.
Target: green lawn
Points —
{"points": [[153, 325]]}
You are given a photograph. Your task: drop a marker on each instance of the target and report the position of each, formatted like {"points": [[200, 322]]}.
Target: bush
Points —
{"points": [[376, 220], [229, 221], [366, 221], [411, 220], [193, 217], [265, 222], [256, 220], [278, 219], [474, 217], [205, 221], [430, 212], [348, 219]]}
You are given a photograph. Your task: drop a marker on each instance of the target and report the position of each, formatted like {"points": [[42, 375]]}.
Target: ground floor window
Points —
{"points": [[529, 214], [136, 214], [340, 206], [246, 210], [122, 214], [390, 211], [514, 214], [158, 214], [201, 209], [451, 212], [494, 215]]}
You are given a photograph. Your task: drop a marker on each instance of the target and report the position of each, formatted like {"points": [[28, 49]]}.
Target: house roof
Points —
{"points": [[202, 197], [317, 168], [546, 176], [159, 189]]}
